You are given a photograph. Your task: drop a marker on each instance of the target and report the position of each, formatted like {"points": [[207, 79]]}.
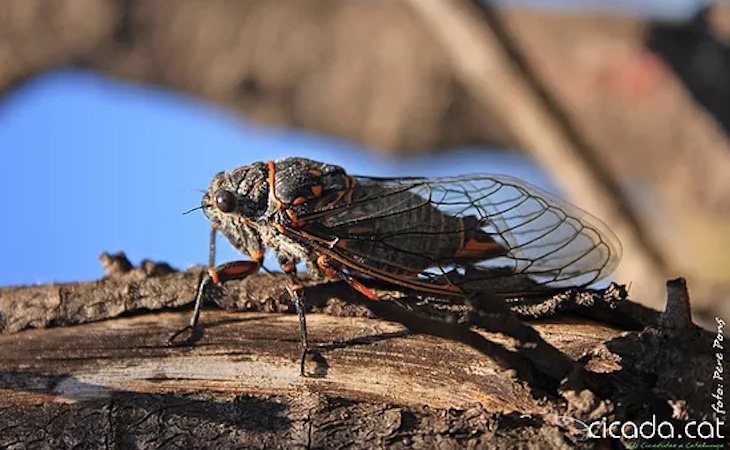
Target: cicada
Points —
{"points": [[441, 237]]}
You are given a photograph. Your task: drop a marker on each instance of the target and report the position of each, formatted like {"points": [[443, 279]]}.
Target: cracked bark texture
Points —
{"points": [[119, 382]]}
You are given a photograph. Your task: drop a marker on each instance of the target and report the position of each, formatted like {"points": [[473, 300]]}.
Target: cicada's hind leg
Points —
{"points": [[296, 289]]}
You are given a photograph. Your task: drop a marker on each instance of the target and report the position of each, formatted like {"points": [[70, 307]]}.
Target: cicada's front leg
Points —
{"points": [[234, 270], [296, 290]]}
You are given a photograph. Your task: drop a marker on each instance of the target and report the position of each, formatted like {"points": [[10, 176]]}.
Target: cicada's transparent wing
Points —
{"points": [[464, 233], [553, 242]]}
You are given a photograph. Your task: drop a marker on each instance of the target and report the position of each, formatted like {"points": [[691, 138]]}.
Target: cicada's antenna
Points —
{"points": [[193, 209]]}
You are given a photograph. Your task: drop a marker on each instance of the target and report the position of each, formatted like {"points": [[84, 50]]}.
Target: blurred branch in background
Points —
{"points": [[601, 102], [487, 60]]}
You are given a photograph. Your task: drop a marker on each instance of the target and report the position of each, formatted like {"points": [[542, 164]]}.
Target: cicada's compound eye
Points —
{"points": [[225, 201]]}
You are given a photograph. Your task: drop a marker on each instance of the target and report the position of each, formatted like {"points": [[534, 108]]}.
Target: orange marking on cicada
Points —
{"points": [[346, 193], [271, 166], [294, 219], [239, 269], [289, 267], [256, 254], [324, 263], [214, 276], [315, 172], [316, 190], [474, 249], [364, 290], [299, 201]]}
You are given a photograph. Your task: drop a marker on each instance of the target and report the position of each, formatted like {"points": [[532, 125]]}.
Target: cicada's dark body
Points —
{"points": [[442, 237]]}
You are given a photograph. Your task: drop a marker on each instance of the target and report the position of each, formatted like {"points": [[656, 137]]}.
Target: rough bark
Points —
{"points": [[411, 381]]}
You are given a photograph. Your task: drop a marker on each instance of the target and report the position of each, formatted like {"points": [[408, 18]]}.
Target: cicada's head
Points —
{"points": [[235, 201]]}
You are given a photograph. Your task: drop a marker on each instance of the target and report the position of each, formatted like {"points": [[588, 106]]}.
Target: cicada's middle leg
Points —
{"points": [[296, 290]]}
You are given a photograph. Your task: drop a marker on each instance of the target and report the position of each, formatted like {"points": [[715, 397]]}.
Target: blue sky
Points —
{"points": [[90, 164], [649, 9]]}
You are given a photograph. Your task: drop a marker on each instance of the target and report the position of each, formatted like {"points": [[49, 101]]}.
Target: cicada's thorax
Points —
{"points": [[299, 186]]}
